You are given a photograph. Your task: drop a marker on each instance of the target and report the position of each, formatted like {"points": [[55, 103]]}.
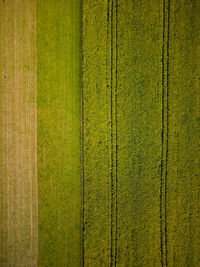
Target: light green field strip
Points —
{"points": [[59, 132], [97, 133], [183, 170], [139, 128], [18, 177]]}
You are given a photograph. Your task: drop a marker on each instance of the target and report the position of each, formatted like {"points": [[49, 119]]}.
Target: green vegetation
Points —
{"points": [[141, 174], [97, 134], [183, 181], [128, 194], [59, 133]]}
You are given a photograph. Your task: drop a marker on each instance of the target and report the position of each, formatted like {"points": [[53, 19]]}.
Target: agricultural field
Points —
{"points": [[99, 133]]}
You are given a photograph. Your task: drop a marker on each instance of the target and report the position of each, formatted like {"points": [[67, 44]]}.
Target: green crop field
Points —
{"points": [[99, 133], [141, 108], [59, 134]]}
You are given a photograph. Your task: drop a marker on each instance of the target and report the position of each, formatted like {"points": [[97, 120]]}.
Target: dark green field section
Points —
{"points": [[141, 133], [139, 129], [59, 132], [183, 169], [96, 100]]}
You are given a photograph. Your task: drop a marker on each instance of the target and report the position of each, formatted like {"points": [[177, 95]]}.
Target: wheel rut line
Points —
{"points": [[116, 121], [82, 136], [112, 142], [167, 132], [162, 137]]}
